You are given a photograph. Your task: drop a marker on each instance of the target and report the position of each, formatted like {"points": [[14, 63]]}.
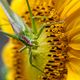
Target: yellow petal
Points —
{"points": [[76, 39], [19, 9], [10, 75], [5, 25], [69, 26], [70, 8], [74, 53], [60, 5], [73, 69], [75, 46], [75, 42], [73, 17], [74, 29], [9, 53]]}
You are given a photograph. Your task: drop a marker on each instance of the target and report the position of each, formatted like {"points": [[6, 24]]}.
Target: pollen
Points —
{"points": [[55, 69]]}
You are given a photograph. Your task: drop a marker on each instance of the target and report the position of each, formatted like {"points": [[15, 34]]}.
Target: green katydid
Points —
{"points": [[22, 31]]}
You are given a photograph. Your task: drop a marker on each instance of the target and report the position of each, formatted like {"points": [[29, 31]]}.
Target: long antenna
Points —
{"points": [[32, 19]]}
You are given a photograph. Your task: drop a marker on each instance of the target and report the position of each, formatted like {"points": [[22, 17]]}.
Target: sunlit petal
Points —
{"points": [[73, 69]]}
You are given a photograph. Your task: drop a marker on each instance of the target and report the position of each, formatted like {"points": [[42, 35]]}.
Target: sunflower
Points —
{"points": [[57, 55]]}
